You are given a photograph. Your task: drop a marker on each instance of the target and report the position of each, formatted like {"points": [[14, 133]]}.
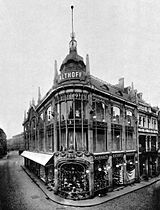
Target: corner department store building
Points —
{"points": [[82, 137]]}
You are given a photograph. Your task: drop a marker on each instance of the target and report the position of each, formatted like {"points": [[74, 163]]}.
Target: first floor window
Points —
{"points": [[99, 140], [116, 138]]}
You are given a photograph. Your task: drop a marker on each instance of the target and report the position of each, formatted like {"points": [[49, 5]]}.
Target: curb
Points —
{"points": [[89, 202]]}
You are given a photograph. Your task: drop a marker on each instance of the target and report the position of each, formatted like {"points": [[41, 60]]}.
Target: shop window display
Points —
{"points": [[153, 143], [73, 181], [101, 179], [117, 166], [130, 169]]}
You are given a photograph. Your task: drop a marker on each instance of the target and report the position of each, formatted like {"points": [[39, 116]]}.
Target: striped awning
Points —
{"points": [[40, 158]]}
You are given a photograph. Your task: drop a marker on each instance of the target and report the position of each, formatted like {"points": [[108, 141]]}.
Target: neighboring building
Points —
{"points": [[3, 143], [82, 137], [16, 142], [159, 142], [148, 138]]}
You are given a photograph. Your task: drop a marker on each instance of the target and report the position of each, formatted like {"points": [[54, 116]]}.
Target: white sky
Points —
{"points": [[122, 38]]}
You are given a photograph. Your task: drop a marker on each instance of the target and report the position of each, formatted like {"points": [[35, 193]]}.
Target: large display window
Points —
{"points": [[73, 181], [118, 171], [101, 178], [130, 168]]}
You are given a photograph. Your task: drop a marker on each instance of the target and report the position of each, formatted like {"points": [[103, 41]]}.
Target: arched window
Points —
{"points": [[115, 112], [99, 111], [49, 114], [129, 115]]}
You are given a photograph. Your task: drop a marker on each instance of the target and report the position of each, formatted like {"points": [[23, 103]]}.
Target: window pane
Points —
{"points": [[78, 139], [116, 139], [69, 109], [115, 114], [85, 110], [63, 111], [77, 109], [100, 146], [70, 138], [99, 111], [63, 140], [129, 139], [58, 112], [49, 114]]}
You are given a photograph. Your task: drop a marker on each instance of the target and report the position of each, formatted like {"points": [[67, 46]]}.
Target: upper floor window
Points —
{"points": [[154, 124], [115, 112], [149, 122], [70, 110], [78, 109], [140, 120], [63, 111], [99, 111], [129, 117], [49, 114]]}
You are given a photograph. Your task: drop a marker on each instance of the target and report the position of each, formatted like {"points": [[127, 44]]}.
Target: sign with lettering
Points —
{"points": [[71, 75], [71, 96], [98, 157], [118, 155]]}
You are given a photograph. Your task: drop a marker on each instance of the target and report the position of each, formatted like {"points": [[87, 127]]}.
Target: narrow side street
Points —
{"points": [[17, 190]]}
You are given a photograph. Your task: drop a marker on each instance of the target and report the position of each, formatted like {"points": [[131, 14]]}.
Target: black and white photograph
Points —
{"points": [[80, 105]]}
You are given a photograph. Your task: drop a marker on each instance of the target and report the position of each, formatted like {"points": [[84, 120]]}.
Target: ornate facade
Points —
{"points": [[82, 137]]}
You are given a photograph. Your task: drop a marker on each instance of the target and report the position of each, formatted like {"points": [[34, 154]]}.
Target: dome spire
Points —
{"points": [[73, 42]]}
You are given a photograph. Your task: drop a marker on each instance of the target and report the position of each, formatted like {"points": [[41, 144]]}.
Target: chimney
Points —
{"points": [[55, 73], [121, 83]]}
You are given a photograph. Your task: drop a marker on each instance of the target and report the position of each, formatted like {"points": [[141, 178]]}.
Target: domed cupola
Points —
{"points": [[73, 66]]}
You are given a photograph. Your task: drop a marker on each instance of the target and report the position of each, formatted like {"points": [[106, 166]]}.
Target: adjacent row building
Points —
{"points": [[87, 136]]}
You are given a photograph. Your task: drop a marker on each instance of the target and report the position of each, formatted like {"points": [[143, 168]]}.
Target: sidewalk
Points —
{"points": [[88, 202]]}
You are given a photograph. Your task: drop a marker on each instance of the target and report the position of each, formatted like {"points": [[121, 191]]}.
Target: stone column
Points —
{"points": [[109, 137], [54, 144], [146, 143], [90, 125], [146, 167], [124, 146], [150, 145], [110, 173], [124, 170], [55, 180], [137, 174], [91, 179]]}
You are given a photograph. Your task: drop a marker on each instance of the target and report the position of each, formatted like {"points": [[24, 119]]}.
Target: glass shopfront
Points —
{"points": [[73, 181], [118, 171], [101, 178], [130, 168]]}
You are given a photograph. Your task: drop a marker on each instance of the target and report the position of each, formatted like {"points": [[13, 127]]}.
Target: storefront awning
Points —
{"points": [[40, 158]]}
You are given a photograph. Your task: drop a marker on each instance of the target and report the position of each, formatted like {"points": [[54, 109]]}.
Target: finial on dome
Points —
{"points": [[73, 42], [87, 65]]}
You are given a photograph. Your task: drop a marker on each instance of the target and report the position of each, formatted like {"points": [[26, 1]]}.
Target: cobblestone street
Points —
{"points": [[18, 192]]}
